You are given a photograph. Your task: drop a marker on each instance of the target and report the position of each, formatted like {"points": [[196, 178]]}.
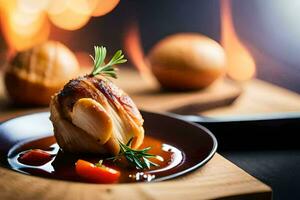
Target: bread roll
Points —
{"points": [[187, 61], [34, 75]]}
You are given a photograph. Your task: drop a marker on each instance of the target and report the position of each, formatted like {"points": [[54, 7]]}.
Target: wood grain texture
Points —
{"points": [[218, 179], [260, 97], [149, 96]]}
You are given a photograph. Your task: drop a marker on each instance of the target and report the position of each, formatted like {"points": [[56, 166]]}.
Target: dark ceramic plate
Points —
{"points": [[196, 143]]}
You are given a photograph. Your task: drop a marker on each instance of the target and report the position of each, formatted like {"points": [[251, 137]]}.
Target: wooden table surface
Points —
{"points": [[219, 178], [260, 97]]}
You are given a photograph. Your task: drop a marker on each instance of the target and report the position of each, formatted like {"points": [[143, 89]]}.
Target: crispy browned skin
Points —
{"points": [[95, 88], [116, 107]]}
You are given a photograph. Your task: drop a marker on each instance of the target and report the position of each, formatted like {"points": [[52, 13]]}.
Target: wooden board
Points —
{"points": [[219, 178], [259, 97], [149, 96]]}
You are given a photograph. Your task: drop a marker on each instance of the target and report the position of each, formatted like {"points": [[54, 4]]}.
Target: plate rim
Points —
{"points": [[165, 178], [198, 165]]}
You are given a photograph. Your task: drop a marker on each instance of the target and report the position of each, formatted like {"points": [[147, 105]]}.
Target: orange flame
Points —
{"points": [[240, 63], [133, 48]]}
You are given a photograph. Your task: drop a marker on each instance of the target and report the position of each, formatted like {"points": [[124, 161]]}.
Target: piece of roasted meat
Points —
{"points": [[92, 115]]}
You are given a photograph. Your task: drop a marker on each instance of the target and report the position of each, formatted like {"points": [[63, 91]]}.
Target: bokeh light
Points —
{"points": [[104, 6], [32, 6], [22, 30], [66, 15], [25, 23]]}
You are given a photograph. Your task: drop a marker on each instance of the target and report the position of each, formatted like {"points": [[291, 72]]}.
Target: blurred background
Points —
{"points": [[259, 40], [264, 33]]}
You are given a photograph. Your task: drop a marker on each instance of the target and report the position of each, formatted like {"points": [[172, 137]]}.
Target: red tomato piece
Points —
{"points": [[93, 173], [35, 157]]}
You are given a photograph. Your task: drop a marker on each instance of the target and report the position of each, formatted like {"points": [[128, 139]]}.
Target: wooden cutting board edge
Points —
{"points": [[218, 179]]}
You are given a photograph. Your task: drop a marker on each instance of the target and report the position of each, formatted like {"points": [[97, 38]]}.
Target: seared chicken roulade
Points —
{"points": [[92, 115]]}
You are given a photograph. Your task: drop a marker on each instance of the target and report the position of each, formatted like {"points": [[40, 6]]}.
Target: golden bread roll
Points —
{"points": [[187, 61], [34, 75]]}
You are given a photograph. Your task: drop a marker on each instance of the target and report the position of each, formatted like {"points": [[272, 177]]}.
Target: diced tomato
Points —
{"points": [[93, 173], [35, 157]]}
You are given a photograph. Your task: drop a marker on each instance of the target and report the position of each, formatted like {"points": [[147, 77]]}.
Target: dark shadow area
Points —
{"points": [[195, 108], [278, 168], [267, 149]]}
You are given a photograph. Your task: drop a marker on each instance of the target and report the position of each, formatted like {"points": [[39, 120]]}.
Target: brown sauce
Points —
{"points": [[62, 165]]}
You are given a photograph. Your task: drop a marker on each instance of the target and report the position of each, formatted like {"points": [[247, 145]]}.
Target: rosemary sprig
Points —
{"points": [[99, 62], [99, 163], [137, 158]]}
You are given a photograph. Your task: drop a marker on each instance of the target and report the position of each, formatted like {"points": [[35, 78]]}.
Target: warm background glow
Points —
{"points": [[240, 63], [134, 50], [22, 29], [25, 23], [70, 15], [268, 30], [104, 6]]}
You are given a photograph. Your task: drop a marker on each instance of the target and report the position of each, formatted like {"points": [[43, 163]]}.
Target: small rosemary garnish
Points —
{"points": [[99, 163], [106, 69], [137, 158]]}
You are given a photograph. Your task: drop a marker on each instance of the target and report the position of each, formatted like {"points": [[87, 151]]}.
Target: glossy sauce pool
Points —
{"points": [[62, 165]]}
